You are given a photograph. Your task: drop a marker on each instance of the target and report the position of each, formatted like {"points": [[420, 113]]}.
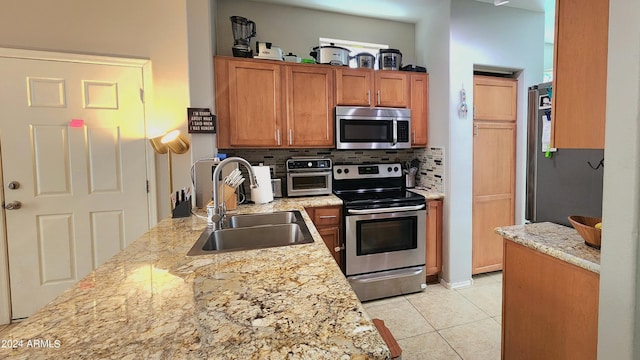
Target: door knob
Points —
{"points": [[14, 205], [13, 185]]}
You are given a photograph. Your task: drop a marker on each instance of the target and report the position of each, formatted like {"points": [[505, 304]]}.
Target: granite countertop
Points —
{"points": [[152, 301], [428, 194], [561, 242]]}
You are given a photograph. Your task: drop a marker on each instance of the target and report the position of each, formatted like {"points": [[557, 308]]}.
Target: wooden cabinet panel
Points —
{"points": [[309, 106], [549, 307], [255, 105], [331, 237], [221, 77], [494, 98], [328, 221], [354, 87], [392, 88], [434, 237], [580, 74], [419, 110], [494, 151]]}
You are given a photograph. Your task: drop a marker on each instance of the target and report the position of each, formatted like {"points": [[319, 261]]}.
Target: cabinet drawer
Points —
{"points": [[326, 216]]}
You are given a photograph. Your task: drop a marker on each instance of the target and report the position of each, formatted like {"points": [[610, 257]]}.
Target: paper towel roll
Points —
{"points": [[263, 193]]}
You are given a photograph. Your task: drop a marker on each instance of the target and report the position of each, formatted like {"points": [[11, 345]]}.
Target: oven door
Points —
{"points": [[384, 239], [309, 183]]}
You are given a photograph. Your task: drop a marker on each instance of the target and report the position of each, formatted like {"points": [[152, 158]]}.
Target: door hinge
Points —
{"points": [[142, 95], [147, 186]]}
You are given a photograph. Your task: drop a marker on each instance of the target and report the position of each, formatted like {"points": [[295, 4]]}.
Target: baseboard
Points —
{"points": [[456, 285]]}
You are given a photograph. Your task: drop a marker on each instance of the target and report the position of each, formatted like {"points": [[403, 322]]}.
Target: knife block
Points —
{"points": [[230, 196]]}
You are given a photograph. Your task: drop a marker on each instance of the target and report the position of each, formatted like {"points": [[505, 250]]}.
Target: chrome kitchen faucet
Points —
{"points": [[218, 213]]}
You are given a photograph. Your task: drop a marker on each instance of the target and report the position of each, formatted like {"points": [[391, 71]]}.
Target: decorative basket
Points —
{"points": [[585, 227]]}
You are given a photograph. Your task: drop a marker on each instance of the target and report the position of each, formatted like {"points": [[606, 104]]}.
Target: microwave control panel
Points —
{"points": [[403, 131]]}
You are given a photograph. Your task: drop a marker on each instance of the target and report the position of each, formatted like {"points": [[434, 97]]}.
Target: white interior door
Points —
{"points": [[72, 138]]}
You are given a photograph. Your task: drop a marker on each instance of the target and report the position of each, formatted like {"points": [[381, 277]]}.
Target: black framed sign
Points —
{"points": [[201, 121]]}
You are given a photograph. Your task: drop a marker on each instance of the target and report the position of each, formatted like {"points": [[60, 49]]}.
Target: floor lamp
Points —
{"points": [[171, 142]]}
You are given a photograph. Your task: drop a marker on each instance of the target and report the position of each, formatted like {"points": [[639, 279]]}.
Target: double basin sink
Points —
{"points": [[254, 231]]}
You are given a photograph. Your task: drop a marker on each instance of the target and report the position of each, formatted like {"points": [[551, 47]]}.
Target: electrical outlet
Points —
{"points": [[272, 170]]}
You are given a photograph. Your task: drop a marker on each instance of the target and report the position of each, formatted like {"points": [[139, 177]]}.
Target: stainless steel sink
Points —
{"points": [[254, 231], [284, 217]]}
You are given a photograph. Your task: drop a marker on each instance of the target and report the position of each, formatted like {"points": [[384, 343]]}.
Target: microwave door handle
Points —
{"points": [[395, 131], [385, 210]]}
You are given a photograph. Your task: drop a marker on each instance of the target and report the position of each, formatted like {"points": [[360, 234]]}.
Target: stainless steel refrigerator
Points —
{"points": [[562, 183]]}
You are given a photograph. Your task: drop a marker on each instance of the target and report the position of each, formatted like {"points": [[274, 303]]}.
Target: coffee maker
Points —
{"points": [[243, 30]]}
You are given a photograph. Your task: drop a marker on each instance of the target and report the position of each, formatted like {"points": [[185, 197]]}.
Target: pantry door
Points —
{"points": [[73, 148]]}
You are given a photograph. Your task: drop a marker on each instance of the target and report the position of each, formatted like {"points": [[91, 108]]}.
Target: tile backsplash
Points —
{"points": [[430, 174], [432, 168]]}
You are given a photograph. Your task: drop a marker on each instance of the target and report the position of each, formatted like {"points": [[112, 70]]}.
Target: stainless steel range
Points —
{"points": [[385, 230]]}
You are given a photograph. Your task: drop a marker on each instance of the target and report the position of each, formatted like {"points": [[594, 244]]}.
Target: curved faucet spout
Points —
{"points": [[218, 212]]}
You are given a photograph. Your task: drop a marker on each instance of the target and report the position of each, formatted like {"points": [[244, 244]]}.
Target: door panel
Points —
{"points": [[82, 188]]}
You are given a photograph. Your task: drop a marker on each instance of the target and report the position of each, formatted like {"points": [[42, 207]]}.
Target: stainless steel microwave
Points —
{"points": [[372, 128]]}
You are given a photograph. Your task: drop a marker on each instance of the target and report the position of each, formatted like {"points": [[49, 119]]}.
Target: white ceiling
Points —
{"points": [[410, 10]]}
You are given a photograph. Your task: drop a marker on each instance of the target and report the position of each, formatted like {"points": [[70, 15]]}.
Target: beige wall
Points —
{"points": [[150, 29], [297, 30]]}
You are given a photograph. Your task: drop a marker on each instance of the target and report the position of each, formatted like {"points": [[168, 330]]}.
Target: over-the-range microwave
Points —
{"points": [[372, 128]]}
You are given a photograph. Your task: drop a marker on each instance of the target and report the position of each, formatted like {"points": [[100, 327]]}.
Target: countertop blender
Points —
{"points": [[243, 30]]}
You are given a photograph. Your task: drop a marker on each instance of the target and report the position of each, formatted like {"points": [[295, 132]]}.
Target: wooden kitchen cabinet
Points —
{"points": [[262, 103], [494, 152], [366, 87], [494, 98], [255, 103], [434, 240], [391, 88], [309, 104], [419, 110], [328, 221], [580, 74], [549, 307], [354, 87]]}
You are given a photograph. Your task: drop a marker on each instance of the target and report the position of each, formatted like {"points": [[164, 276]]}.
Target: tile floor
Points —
{"points": [[439, 323]]}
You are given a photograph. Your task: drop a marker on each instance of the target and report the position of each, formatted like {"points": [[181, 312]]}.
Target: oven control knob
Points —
{"points": [[309, 164], [389, 169], [346, 171], [395, 169], [339, 171]]}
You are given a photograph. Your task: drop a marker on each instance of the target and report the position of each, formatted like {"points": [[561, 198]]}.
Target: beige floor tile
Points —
{"points": [[429, 291], [387, 301], [447, 309], [487, 297], [477, 340], [482, 279], [402, 319], [429, 346], [497, 276]]}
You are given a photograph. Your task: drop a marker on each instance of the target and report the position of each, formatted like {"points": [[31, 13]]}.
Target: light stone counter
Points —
{"points": [[151, 301], [428, 194], [559, 241]]}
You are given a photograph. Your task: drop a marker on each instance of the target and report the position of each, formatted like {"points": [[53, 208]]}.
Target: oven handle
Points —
{"points": [[394, 274], [386, 210], [307, 174]]}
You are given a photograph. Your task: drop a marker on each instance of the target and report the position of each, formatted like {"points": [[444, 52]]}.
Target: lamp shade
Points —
{"points": [[158, 146], [176, 142]]}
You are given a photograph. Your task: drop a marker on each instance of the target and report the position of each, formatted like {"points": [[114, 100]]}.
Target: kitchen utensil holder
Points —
{"points": [[181, 210], [230, 196]]}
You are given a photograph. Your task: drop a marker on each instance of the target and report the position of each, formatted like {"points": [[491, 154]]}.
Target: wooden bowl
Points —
{"points": [[585, 227]]}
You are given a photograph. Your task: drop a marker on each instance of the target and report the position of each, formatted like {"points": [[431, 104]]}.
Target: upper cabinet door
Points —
{"points": [[392, 88], [494, 98], [309, 106], [354, 87], [255, 103], [419, 110], [580, 74]]}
